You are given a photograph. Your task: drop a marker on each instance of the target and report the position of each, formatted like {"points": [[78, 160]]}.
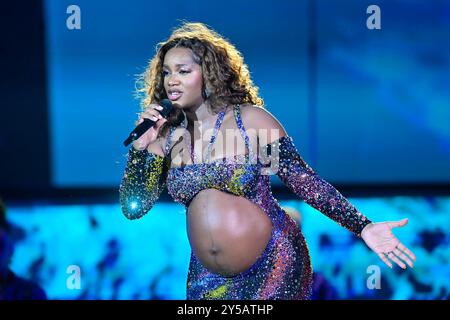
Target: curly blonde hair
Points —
{"points": [[225, 75]]}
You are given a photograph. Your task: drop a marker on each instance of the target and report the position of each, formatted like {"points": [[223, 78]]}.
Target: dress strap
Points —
{"points": [[237, 115], [216, 130], [169, 140]]}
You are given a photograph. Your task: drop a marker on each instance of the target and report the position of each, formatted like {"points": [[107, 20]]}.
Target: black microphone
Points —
{"points": [[147, 123]]}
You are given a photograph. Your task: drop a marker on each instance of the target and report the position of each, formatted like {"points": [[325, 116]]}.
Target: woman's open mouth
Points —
{"points": [[174, 95]]}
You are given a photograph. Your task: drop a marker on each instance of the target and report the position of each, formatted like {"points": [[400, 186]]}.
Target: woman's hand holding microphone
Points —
{"points": [[152, 113]]}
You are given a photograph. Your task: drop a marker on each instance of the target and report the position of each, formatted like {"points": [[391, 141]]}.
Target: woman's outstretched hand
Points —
{"points": [[379, 238]]}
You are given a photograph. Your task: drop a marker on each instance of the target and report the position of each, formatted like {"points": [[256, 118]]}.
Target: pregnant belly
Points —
{"points": [[227, 233]]}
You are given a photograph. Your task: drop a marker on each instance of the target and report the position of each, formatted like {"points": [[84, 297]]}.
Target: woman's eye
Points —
{"points": [[184, 71], [164, 73]]}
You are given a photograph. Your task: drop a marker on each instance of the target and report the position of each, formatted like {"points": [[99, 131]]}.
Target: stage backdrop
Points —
{"points": [[149, 258], [363, 106]]}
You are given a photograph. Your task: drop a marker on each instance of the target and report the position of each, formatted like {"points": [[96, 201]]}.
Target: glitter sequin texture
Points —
{"points": [[142, 182], [295, 173], [283, 271]]}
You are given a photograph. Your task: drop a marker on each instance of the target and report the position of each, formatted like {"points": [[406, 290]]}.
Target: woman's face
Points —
{"points": [[183, 80]]}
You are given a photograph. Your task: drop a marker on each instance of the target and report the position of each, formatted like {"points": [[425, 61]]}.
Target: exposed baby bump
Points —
{"points": [[228, 235]]}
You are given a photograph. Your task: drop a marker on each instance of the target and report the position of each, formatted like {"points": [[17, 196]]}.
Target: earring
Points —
{"points": [[205, 93]]}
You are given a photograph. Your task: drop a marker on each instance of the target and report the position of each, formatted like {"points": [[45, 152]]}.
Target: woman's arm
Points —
{"points": [[143, 181], [294, 172], [301, 179]]}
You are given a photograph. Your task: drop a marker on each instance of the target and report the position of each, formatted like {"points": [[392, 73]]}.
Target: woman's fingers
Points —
{"points": [[385, 260], [396, 224], [402, 256], [406, 250], [396, 255], [152, 113], [160, 123], [394, 258]]}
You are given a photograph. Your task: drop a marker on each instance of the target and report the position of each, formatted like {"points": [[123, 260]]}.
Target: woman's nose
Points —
{"points": [[172, 80]]}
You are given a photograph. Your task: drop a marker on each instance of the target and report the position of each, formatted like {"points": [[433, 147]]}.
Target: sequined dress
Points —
{"points": [[283, 270]]}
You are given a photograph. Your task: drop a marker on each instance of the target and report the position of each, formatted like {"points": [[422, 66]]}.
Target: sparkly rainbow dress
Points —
{"points": [[283, 270]]}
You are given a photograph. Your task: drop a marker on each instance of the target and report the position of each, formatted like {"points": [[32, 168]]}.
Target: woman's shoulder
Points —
{"points": [[250, 111], [259, 118]]}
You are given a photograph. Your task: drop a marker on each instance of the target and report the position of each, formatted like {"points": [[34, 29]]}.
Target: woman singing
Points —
{"points": [[215, 154]]}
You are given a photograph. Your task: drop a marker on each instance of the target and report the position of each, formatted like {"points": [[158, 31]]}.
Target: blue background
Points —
{"points": [[149, 258], [369, 106]]}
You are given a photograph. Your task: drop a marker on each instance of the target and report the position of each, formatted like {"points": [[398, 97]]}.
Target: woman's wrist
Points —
{"points": [[365, 229]]}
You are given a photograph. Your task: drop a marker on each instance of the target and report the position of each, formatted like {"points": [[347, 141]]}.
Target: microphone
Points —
{"points": [[147, 123]]}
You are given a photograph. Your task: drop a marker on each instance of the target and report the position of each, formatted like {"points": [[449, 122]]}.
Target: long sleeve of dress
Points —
{"points": [[142, 183], [295, 173]]}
